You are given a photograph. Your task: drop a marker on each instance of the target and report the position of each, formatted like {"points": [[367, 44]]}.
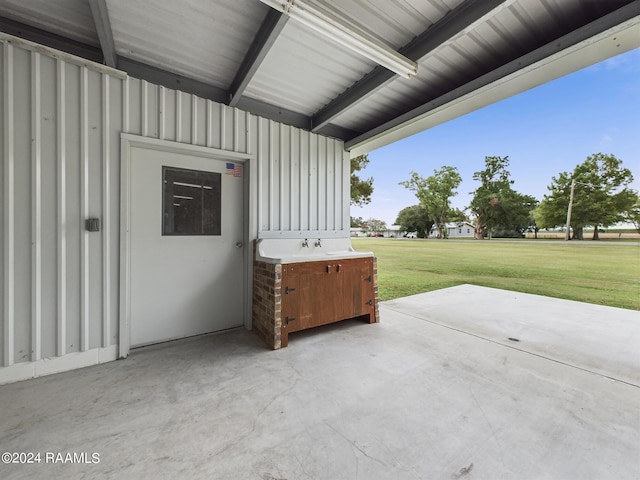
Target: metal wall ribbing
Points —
{"points": [[60, 141]]}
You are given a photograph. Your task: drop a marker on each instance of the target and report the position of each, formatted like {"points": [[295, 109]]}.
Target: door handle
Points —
{"points": [[239, 244]]}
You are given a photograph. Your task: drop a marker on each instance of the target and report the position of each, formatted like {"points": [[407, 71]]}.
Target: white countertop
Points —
{"points": [[294, 250]]}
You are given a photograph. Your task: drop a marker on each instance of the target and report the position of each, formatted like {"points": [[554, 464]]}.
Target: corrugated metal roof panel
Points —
{"points": [[196, 38], [304, 70], [68, 18]]}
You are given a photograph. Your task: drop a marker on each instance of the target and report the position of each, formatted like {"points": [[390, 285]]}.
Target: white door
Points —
{"points": [[186, 244]]}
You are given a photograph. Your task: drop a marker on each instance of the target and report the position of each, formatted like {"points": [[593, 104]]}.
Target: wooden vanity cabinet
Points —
{"points": [[321, 292]]}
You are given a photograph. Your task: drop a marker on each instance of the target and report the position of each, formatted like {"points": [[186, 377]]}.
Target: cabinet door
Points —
{"points": [[356, 288], [309, 295]]}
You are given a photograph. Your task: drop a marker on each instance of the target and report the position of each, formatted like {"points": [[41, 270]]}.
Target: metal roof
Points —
{"points": [[248, 55]]}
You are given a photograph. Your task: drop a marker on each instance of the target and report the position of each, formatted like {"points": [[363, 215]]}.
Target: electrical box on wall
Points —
{"points": [[92, 224]]}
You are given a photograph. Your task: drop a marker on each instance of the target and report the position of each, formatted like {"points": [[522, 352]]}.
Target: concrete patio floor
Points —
{"points": [[435, 391]]}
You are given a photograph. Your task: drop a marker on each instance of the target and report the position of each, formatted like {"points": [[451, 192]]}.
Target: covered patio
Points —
{"points": [[466, 382]]}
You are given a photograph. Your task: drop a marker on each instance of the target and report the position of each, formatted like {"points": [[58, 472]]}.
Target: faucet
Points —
{"points": [[318, 243], [305, 243]]}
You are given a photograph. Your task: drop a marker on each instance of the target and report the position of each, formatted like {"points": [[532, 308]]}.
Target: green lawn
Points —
{"points": [[594, 272]]}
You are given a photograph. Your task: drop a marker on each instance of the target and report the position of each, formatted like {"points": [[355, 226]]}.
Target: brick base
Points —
{"points": [[375, 289], [267, 302]]}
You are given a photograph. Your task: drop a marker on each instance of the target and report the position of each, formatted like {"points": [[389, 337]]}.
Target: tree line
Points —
{"points": [[595, 194]]}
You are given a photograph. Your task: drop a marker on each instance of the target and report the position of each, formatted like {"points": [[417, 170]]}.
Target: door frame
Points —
{"points": [[129, 141]]}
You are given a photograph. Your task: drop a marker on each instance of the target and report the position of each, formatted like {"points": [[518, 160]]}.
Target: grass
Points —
{"points": [[593, 272]]}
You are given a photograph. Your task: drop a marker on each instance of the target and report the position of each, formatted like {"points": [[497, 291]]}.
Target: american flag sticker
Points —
{"points": [[233, 169]]}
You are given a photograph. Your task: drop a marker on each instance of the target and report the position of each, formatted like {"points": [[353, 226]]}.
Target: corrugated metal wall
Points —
{"points": [[302, 178], [60, 141]]}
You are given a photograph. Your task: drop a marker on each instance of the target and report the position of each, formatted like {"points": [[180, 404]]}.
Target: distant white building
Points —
{"points": [[455, 230], [394, 231]]}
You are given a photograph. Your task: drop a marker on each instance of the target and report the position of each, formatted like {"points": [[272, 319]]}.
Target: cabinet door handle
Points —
{"points": [[287, 290], [338, 267], [328, 268], [370, 302], [288, 320]]}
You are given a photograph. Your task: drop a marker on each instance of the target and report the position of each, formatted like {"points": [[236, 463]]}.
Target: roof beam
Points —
{"points": [[172, 80], [561, 57], [103, 27], [271, 27], [454, 22], [52, 40]]}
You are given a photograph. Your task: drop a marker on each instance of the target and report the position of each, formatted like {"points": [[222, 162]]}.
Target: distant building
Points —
{"points": [[394, 231], [455, 230]]}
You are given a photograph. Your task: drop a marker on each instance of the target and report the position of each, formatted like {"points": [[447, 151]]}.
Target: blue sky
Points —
{"points": [[544, 131]]}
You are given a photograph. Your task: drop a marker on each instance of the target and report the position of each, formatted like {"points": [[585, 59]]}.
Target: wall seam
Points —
{"points": [[161, 112], [106, 214], [281, 178], [260, 160], [223, 125], [61, 329], [144, 107], [209, 124], [84, 209], [9, 205], [235, 129], [270, 177], [194, 120], [178, 116], [36, 209]]}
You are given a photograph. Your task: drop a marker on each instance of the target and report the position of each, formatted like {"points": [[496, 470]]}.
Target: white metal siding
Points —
{"points": [[301, 179], [60, 141]]}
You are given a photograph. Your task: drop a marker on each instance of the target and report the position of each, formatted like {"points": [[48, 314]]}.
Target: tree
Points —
{"points": [[435, 193], [415, 219], [632, 215], [514, 215], [356, 222], [552, 211], [361, 190], [533, 227], [499, 210], [601, 196], [374, 225], [458, 216]]}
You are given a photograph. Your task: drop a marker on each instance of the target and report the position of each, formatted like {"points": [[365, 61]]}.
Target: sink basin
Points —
{"points": [[293, 251], [310, 257]]}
